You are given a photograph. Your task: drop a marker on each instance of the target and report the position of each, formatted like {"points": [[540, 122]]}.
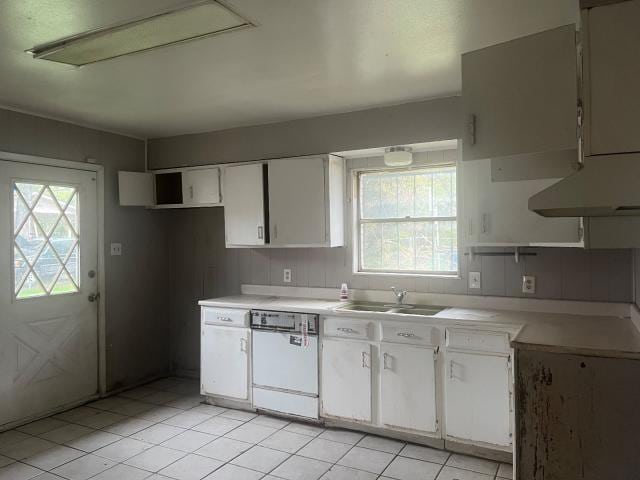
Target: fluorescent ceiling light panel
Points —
{"points": [[191, 22]]}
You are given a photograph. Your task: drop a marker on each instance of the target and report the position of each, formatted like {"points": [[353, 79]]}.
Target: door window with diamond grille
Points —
{"points": [[46, 243]]}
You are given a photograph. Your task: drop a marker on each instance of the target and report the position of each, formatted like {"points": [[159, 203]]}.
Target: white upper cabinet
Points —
{"points": [[175, 188], [520, 97], [305, 201], [612, 78], [201, 186], [496, 213], [244, 210], [288, 202]]}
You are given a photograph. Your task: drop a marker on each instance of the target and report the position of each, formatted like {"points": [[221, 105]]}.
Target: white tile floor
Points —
{"points": [[162, 431]]}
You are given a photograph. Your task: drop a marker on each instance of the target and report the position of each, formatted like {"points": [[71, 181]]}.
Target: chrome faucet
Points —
{"points": [[399, 295]]}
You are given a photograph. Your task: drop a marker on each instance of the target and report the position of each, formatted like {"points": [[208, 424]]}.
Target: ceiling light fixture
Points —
{"points": [[190, 22], [398, 156]]}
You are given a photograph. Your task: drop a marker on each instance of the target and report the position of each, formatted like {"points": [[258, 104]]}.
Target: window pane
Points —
{"points": [[425, 192], [45, 238], [410, 246]]}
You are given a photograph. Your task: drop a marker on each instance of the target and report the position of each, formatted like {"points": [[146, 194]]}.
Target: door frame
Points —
{"points": [[99, 170]]}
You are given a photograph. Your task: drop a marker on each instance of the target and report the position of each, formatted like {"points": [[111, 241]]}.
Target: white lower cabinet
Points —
{"points": [[225, 361], [477, 397], [346, 379], [408, 387]]}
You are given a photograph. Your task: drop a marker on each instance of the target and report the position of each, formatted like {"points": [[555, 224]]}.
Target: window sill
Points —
{"points": [[452, 276]]}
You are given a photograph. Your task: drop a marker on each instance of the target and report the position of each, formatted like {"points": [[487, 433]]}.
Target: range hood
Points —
{"points": [[606, 186]]}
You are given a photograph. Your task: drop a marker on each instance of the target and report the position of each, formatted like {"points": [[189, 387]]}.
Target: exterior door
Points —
{"points": [[225, 361], [477, 398], [346, 379], [48, 270], [408, 387]]}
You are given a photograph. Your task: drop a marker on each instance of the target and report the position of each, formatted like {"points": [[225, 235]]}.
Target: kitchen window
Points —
{"points": [[407, 221]]}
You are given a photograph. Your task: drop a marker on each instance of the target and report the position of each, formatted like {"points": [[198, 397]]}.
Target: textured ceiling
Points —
{"points": [[305, 58]]}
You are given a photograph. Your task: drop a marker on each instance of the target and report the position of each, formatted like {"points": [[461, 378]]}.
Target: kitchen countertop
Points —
{"points": [[607, 336]]}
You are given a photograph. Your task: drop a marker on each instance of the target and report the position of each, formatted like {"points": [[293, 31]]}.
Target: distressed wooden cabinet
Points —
{"points": [[576, 416], [521, 97]]}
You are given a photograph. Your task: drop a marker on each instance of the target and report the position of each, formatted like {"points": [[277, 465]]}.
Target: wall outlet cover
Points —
{"points": [[116, 249], [287, 275], [474, 280], [528, 284]]}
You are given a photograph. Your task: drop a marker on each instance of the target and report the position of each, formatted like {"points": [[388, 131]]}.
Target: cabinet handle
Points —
{"points": [[406, 335], [347, 330], [451, 369], [485, 223], [472, 129], [191, 192], [364, 360], [243, 345], [260, 233], [225, 319], [385, 364], [275, 230]]}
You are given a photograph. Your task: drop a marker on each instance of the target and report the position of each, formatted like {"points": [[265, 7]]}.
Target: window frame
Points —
{"points": [[358, 221]]}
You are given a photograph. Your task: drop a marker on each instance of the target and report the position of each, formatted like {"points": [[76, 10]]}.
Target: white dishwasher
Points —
{"points": [[285, 362]]}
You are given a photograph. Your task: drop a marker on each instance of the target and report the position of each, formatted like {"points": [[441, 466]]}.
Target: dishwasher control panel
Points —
{"points": [[285, 321]]}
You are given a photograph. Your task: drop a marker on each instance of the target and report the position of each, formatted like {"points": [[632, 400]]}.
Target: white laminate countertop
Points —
{"points": [[607, 336]]}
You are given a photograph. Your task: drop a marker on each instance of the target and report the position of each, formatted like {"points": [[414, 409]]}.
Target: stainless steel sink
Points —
{"points": [[365, 307], [422, 310]]}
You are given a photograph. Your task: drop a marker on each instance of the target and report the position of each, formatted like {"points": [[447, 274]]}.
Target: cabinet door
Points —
{"points": [[225, 361], [408, 387], [477, 401], [297, 201], [522, 95], [497, 213], [136, 189], [613, 79], [201, 186], [244, 205], [346, 379]]}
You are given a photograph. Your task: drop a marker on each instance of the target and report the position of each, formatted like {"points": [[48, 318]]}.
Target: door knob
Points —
{"points": [[93, 297]]}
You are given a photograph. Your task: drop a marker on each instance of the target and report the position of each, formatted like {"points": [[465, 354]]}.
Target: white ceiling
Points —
{"points": [[305, 58]]}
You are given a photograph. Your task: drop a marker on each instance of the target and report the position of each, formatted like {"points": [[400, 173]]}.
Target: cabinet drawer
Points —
{"points": [[223, 316], [409, 333], [348, 328], [478, 341]]}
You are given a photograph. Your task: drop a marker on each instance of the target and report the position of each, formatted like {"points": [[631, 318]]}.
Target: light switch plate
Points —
{"points": [[474, 280], [287, 275], [116, 249], [528, 284]]}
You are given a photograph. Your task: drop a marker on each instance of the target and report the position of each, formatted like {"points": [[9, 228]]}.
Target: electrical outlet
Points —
{"points": [[474, 280], [287, 275], [528, 284], [116, 249]]}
